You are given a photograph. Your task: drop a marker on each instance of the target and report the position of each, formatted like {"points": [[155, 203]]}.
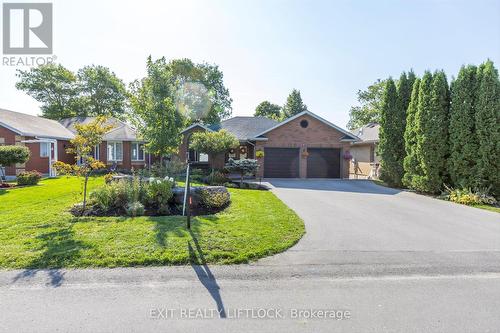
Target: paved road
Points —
{"points": [[390, 261]]}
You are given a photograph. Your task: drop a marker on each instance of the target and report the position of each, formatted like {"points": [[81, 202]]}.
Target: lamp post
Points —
{"points": [[187, 195]]}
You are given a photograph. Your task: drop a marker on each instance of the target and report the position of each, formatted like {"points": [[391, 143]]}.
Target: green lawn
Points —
{"points": [[36, 231], [485, 207]]}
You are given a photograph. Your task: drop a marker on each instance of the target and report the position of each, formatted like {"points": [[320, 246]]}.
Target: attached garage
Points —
{"points": [[281, 162], [323, 163]]}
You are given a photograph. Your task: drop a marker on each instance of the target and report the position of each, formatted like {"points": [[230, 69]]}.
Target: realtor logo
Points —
{"points": [[27, 28]]}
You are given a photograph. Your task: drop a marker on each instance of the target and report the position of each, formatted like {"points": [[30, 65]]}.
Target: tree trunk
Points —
{"points": [[85, 192]]}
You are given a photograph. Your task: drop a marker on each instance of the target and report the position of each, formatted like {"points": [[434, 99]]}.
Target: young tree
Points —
{"points": [[488, 128], [213, 143], [390, 136], [269, 110], [102, 92], [371, 104], [242, 167], [82, 145], [10, 155], [433, 113], [411, 164], [463, 140], [293, 105], [53, 86], [154, 114]]}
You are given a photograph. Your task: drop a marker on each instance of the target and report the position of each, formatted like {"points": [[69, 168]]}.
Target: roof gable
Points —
{"points": [[347, 135]]}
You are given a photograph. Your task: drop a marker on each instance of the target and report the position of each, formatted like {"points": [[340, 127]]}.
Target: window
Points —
{"points": [[372, 154], [137, 151], [44, 149], [115, 151], [304, 123], [96, 152], [243, 152], [202, 157]]}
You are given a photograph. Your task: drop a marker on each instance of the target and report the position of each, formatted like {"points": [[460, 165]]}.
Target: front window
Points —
{"points": [[202, 157], [115, 151], [137, 151], [44, 149]]}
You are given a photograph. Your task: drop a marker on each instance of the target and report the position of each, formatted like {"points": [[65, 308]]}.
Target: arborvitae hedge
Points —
{"points": [[411, 164], [388, 147], [462, 133], [487, 127]]}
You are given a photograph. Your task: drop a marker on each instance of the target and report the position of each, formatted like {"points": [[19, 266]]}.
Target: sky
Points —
{"points": [[327, 49]]}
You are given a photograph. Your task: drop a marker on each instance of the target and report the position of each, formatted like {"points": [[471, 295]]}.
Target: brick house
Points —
{"points": [[302, 146], [121, 149], [48, 140]]}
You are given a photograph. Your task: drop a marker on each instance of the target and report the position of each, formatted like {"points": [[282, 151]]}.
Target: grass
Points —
{"points": [[488, 207], [485, 207], [37, 231]]}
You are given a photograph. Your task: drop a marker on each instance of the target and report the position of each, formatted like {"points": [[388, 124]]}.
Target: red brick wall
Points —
{"points": [[126, 163], [316, 135]]}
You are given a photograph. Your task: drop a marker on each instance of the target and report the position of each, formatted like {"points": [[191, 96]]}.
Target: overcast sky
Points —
{"points": [[326, 49]]}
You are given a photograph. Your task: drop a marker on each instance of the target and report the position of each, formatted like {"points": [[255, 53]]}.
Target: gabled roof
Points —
{"points": [[347, 135], [196, 125], [121, 131], [245, 128], [28, 125], [367, 133]]}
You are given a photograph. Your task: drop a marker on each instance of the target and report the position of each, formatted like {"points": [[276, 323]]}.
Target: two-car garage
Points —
{"points": [[285, 162]]}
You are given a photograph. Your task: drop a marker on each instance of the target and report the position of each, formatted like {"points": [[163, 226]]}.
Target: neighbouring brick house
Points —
{"points": [[121, 148], [302, 146], [48, 140]]}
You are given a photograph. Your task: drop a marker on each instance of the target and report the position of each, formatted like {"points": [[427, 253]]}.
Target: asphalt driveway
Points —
{"points": [[352, 220]]}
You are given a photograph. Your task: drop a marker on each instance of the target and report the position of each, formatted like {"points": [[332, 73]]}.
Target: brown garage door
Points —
{"points": [[323, 163], [281, 162]]}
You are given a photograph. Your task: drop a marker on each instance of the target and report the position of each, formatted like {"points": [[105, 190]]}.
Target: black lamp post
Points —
{"points": [[187, 194]]}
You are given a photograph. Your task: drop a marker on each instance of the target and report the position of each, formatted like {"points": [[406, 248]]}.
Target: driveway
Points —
{"points": [[357, 220]]}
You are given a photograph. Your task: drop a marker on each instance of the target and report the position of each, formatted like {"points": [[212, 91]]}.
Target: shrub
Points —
{"points": [[243, 167], [216, 178], [135, 209], [103, 197], [10, 155], [158, 194], [28, 178], [230, 185], [469, 197], [215, 197], [173, 167], [108, 178]]}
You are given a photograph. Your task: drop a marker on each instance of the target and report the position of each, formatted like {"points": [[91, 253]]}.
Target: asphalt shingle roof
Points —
{"points": [[28, 125], [368, 132], [245, 128], [120, 132]]}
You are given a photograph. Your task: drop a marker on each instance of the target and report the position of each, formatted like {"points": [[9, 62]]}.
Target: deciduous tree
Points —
{"points": [[87, 137], [269, 110], [368, 111]]}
